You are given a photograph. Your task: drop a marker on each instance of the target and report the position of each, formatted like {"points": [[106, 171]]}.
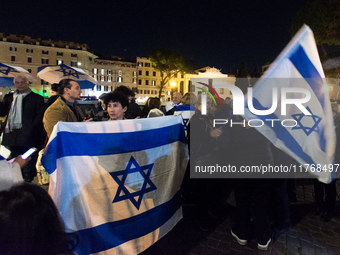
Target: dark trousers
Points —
{"points": [[280, 201], [328, 191], [30, 168], [254, 192]]}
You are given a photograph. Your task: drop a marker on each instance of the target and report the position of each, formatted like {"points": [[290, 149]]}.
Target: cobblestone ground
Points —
{"points": [[309, 235]]}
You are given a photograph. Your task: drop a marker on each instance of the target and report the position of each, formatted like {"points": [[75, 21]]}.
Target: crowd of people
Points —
{"points": [[259, 202]]}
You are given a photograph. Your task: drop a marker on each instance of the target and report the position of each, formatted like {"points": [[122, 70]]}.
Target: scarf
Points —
{"points": [[14, 120]]}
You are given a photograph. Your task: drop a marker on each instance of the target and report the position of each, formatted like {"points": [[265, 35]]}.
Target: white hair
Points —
{"points": [[22, 77]]}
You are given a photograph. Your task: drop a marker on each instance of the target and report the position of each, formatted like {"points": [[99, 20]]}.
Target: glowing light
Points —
{"points": [[172, 83]]}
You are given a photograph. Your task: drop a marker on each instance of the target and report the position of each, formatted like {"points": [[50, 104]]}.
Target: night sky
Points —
{"points": [[212, 33]]}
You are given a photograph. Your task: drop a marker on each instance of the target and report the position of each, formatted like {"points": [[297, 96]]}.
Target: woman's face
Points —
{"points": [[116, 111]]}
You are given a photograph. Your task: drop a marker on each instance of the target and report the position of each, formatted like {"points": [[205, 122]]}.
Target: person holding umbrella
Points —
{"points": [[23, 128]]}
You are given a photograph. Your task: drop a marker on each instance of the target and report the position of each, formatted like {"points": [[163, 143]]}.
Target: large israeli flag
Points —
{"points": [[310, 139], [117, 182]]}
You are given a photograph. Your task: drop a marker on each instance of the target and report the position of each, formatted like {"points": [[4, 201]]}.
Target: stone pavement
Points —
{"points": [[309, 235]]}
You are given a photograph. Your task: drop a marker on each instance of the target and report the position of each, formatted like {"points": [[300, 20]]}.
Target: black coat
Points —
{"points": [[31, 132]]}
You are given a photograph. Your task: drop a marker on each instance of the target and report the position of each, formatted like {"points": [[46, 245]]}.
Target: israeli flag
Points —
{"points": [[117, 183], [186, 112], [305, 131]]}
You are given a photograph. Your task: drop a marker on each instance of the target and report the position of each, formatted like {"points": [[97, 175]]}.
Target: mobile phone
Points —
{"points": [[28, 153]]}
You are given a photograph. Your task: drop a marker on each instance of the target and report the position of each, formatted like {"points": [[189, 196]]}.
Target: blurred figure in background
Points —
{"points": [[325, 194], [155, 108], [54, 94]]}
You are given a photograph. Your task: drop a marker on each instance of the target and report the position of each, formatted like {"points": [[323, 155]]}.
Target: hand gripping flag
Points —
{"points": [[309, 139], [116, 183]]}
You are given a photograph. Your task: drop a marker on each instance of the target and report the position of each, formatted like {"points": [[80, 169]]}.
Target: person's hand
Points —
{"points": [[22, 162], [138, 117], [88, 120], [216, 132]]}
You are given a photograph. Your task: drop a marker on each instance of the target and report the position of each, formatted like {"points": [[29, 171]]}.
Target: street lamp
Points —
{"points": [[173, 85]]}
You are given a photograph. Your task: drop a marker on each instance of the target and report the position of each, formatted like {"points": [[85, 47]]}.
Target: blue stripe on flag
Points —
{"points": [[119, 232], [282, 134], [308, 71], [99, 144]]}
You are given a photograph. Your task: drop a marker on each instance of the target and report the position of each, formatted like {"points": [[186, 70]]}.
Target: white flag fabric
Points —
{"points": [[310, 139], [186, 112], [117, 182]]}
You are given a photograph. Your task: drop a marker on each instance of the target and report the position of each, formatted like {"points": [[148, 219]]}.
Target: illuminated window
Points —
{"points": [[102, 71], [59, 62], [120, 72], [134, 80], [99, 88], [102, 78], [95, 70], [153, 83], [109, 79], [95, 77], [134, 74], [140, 63], [109, 71], [168, 93], [120, 79]]}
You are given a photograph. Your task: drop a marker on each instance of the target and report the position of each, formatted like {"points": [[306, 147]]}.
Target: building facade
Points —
{"points": [[30, 53], [139, 75]]}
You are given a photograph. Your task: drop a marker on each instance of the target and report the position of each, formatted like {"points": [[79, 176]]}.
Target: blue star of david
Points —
{"points": [[7, 70], [123, 193], [185, 123], [68, 72], [307, 130]]}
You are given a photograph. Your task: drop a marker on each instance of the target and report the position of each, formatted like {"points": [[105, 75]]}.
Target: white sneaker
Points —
{"points": [[239, 240], [264, 247]]}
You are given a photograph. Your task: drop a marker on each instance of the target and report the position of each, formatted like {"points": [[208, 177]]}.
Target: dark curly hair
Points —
{"points": [[116, 97]]}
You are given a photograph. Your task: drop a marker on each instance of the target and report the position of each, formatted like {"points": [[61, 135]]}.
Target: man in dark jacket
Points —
{"points": [[24, 127]]}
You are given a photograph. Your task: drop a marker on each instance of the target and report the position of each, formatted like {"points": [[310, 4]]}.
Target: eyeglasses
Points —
{"points": [[22, 82]]}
